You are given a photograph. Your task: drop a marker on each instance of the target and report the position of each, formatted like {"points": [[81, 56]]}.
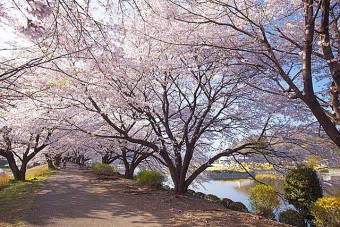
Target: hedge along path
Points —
{"points": [[78, 198]]}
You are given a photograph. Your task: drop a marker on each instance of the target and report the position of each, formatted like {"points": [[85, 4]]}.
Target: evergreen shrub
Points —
{"points": [[291, 217], [302, 188]]}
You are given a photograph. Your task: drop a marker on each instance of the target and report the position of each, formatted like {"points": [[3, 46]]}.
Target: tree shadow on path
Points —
{"points": [[72, 198], [78, 198]]}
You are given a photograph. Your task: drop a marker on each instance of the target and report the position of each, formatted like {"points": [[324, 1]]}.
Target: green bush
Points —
{"points": [[103, 169], [263, 200], [212, 198], [302, 189], [151, 178], [291, 217], [238, 206], [326, 211], [226, 202]]}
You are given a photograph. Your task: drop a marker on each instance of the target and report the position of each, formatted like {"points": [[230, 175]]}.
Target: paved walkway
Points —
{"points": [[69, 198]]}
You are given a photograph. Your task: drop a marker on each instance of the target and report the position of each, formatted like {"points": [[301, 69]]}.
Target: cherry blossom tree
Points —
{"points": [[292, 45], [94, 135], [131, 155], [25, 133], [196, 102], [187, 110], [184, 82], [45, 34]]}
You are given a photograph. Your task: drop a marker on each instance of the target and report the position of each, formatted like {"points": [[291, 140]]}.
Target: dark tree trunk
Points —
{"points": [[180, 184], [57, 160], [105, 159], [108, 159], [50, 164], [14, 168], [22, 171], [129, 173], [329, 127], [182, 187], [18, 174]]}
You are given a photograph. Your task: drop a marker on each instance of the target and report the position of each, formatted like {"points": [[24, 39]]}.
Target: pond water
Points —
{"points": [[5, 169], [237, 190], [234, 189]]}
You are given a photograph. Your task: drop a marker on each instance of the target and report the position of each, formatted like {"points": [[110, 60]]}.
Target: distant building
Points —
{"points": [[230, 160]]}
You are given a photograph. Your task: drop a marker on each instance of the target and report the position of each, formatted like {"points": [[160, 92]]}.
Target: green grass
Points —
{"points": [[18, 197], [38, 172]]}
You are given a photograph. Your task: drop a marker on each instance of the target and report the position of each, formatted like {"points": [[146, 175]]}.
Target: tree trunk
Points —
{"points": [[179, 183], [14, 168], [22, 172], [129, 172], [50, 164], [105, 159], [328, 126], [18, 174], [57, 160], [180, 187], [309, 98]]}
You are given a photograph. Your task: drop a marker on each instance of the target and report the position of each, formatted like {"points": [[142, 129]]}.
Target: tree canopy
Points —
{"points": [[178, 84]]}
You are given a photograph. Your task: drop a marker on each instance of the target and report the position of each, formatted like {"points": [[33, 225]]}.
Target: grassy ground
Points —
{"points": [[18, 197]]}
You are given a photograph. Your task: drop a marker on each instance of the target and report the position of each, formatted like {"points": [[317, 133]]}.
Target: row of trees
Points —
{"points": [[176, 84]]}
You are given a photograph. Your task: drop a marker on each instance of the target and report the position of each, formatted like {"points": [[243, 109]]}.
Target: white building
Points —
{"points": [[228, 160]]}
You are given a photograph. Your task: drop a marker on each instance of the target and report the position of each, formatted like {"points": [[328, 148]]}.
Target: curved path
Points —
{"points": [[75, 198], [72, 198]]}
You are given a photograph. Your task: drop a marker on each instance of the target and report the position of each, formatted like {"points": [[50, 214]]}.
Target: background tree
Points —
{"points": [[131, 155], [313, 161], [28, 128], [20, 151]]}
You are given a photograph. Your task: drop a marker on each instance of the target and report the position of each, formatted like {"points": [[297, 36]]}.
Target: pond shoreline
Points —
{"points": [[236, 185]]}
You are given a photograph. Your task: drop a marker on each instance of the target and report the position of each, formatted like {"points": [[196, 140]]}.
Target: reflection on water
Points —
{"points": [[232, 189], [237, 190]]}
